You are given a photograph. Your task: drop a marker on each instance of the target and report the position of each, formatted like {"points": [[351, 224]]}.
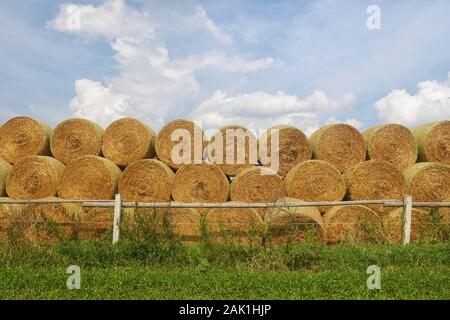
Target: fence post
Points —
{"points": [[117, 213], [407, 213]]}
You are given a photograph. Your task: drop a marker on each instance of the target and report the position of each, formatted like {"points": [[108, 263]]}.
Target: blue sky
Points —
{"points": [[254, 63]]}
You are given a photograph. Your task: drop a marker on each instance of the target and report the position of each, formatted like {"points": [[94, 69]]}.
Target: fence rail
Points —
{"points": [[118, 204]]}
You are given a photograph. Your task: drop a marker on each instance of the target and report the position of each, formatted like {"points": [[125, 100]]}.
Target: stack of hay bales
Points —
{"points": [[78, 160], [293, 148]]}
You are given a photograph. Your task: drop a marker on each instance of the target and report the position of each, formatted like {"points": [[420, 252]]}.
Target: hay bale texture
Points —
{"points": [[89, 178], [376, 180], [237, 225], [74, 138], [392, 143], [315, 181], [234, 143], [424, 227], [171, 140], [5, 169], [22, 137], [34, 177], [257, 184], [339, 144], [50, 222], [294, 224], [147, 180], [428, 182], [200, 183], [433, 140], [6, 211], [294, 147], [357, 224], [95, 224], [128, 140]]}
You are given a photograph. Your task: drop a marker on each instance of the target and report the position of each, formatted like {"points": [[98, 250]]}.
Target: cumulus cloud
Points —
{"points": [[151, 84], [259, 110], [430, 103]]}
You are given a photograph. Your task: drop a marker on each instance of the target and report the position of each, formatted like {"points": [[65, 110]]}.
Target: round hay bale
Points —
{"points": [[147, 180], [5, 169], [433, 140], [352, 223], [34, 177], [241, 225], [96, 224], [89, 178], [200, 183], [294, 147], [392, 143], [257, 184], [376, 180], [315, 181], [50, 222], [299, 224], [128, 140], [22, 137], [429, 182], [74, 138], [172, 139], [423, 226], [233, 149], [339, 144]]}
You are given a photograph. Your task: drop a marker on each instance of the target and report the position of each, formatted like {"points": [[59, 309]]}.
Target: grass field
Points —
{"points": [[169, 270]]}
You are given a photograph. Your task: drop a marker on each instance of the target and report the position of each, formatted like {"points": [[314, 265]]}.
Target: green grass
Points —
{"points": [[169, 270]]}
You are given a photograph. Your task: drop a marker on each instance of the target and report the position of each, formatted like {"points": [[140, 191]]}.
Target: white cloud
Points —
{"points": [[259, 110], [218, 33], [430, 103], [151, 84], [353, 122]]}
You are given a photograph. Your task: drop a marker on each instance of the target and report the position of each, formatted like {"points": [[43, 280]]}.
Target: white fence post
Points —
{"points": [[407, 209], [117, 213]]}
